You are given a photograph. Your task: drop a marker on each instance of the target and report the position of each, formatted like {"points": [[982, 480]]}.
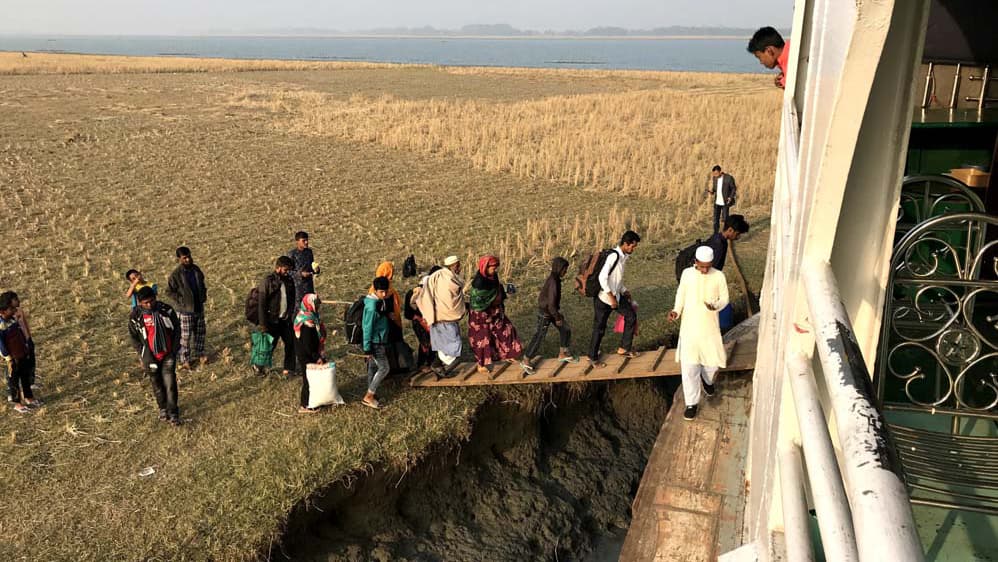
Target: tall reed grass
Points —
{"points": [[652, 143]]}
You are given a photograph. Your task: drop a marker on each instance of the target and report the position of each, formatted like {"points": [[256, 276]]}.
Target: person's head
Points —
{"points": [[311, 302], [184, 256], [385, 269], [380, 285], [283, 265], [8, 304], [559, 266], [487, 266], [704, 259], [767, 46], [453, 263], [715, 172], [133, 275], [146, 298], [301, 239], [734, 227], [629, 241]]}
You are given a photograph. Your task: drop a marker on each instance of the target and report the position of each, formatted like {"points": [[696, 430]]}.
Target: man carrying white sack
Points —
{"points": [[702, 292]]}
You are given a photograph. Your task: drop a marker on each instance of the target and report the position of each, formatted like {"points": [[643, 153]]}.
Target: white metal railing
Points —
{"points": [[881, 515]]}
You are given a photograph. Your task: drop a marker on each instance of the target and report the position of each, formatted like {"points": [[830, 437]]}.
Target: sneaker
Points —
{"points": [[527, 369], [690, 413], [708, 389]]}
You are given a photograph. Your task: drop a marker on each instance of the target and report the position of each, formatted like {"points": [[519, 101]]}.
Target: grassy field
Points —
{"points": [[110, 163]]}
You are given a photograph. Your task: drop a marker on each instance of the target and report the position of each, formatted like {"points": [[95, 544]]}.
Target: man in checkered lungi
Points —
{"points": [[187, 288]]}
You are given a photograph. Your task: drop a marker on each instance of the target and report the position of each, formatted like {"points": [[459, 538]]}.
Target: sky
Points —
{"points": [[169, 17]]}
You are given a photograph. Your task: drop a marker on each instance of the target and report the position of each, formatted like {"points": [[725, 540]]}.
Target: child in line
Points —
{"points": [[137, 282], [376, 340], [16, 353], [549, 312]]}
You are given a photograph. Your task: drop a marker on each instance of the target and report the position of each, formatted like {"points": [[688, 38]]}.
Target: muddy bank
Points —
{"points": [[548, 484]]}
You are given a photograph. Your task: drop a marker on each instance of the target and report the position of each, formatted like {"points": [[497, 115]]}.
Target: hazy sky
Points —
{"points": [[197, 16]]}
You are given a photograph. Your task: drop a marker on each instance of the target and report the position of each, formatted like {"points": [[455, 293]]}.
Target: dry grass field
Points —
{"points": [[110, 163]]}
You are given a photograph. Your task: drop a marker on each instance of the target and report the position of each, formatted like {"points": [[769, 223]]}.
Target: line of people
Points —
{"points": [[287, 310]]}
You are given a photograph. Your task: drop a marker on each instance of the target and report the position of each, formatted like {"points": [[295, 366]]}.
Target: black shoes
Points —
{"points": [[708, 389], [690, 413]]}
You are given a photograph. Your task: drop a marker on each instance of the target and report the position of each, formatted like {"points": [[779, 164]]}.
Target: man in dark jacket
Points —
{"points": [[277, 309], [187, 289], [549, 312], [155, 331], [734, 227], [724, 191], [305, 267]]}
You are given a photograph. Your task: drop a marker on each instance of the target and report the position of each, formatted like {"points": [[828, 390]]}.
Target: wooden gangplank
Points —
{"points": [[658, 363]]}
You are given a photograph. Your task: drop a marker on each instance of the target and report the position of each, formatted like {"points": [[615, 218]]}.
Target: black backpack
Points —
{"points": [[407, 309], [409, 267], [587, 281], [253, 306], [686, 257], [353, 322]]}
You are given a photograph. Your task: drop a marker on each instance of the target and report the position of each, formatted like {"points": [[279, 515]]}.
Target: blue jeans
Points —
{"points": [[377, 367]]}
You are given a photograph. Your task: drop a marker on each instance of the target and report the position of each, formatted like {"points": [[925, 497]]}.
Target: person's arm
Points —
{"points": [[677, 308], [131, 289], [22, 319], [261, 310], [723, 296], [133, 331], [4, 354], [173, 286], [368, 326], [604, 274], [734, 191], [204, 287]]}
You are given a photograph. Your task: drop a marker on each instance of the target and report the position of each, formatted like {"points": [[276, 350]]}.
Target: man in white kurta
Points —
{"points": [[702, 292]]}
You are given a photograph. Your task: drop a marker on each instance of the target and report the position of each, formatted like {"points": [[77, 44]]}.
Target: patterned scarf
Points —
{"points": [[485, 289], [308, 315]]}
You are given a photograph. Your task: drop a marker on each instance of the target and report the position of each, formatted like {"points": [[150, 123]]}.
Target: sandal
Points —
{"points": [[305, 410], [596, 364], [21, 408], [629, 354], [372, 404], [527, 368], [568, 359]]}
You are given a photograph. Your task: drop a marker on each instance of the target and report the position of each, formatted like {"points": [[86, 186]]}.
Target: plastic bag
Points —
{"points": [[322, 389], [618, 326], [262, 352]]}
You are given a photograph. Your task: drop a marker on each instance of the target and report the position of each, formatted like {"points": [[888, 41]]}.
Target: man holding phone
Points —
{"points": [[702, 292]]}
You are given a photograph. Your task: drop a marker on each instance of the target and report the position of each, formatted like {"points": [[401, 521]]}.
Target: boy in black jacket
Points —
{"points": [[155, 331], [549, 312]]}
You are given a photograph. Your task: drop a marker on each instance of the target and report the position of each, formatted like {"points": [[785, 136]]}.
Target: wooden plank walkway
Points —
{"points": [[658, 363]]}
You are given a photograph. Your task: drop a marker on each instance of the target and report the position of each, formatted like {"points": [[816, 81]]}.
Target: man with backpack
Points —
{"points": [[722, 187], [276, 294], [613, 295]]}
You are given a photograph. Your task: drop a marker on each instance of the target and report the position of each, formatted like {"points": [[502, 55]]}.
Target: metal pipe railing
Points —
{"points": [[827, 490], [881, 509], [795, 517]]}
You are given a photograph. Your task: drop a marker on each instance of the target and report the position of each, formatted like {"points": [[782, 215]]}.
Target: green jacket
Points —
{"points": [[375, 323]]}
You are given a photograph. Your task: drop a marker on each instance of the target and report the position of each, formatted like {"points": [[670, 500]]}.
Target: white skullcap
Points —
{"points": [[705, 254], [451, 260]]}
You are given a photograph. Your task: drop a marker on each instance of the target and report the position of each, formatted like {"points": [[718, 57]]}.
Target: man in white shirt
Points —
{"points": [[722, 187], [614, 295], [702, 292]]}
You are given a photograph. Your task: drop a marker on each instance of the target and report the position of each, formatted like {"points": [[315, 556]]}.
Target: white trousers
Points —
{"points": [[691, 381]]}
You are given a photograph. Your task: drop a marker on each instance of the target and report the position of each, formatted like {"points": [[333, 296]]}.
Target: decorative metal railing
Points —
{"points": [[924, 197], [939, 340]]}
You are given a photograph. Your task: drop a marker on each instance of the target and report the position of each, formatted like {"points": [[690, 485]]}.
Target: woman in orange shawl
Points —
{"points": [[393, 302]]}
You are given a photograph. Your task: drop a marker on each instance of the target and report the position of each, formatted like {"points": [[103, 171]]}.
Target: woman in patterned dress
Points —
{"points": [[491, 334]]}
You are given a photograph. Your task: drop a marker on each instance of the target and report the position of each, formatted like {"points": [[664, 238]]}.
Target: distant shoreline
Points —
{"points": [[393, 36]]}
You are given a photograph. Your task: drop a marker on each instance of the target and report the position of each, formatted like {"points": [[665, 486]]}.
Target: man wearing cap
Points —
{"points": [[441, 302], [702, 292]]}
